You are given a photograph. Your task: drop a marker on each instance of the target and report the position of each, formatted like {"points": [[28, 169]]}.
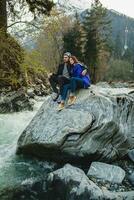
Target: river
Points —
{"points": [[15, 169]]}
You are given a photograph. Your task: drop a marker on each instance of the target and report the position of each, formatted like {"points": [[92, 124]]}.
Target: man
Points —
{"points": [[61, 77]]}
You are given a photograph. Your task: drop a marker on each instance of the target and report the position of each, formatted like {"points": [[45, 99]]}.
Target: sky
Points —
{"points": [[124, 6]]}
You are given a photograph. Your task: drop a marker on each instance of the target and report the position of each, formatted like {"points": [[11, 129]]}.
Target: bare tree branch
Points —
{"points": [[24, 22]]}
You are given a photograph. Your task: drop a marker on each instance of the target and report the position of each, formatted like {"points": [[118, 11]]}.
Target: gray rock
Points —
{"points": [[119, 84], [131, 178], [71, 183], [131, 154], [111, 173], [30, 92], [41, 90], [103, 84], [99, 126], [15, 101], [69, 129], [118, 195]]}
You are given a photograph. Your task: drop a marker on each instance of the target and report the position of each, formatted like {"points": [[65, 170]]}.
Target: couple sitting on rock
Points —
{"points": [[71, 75]]}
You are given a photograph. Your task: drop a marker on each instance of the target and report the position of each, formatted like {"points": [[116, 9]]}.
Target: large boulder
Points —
{"points": [[103, 171], [99, 126], [71, 183]]}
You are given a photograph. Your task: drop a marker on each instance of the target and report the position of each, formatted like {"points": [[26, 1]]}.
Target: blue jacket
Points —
{"points": [[76, 71]]}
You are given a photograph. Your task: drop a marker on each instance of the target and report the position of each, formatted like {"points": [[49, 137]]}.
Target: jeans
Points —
{"points": [[74, 84], [58, 80]]}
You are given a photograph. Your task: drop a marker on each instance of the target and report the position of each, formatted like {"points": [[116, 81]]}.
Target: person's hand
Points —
{"points": [[49, 75], [84, 72]]}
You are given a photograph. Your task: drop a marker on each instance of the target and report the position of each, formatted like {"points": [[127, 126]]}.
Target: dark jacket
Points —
{"points": [[61, 67]]}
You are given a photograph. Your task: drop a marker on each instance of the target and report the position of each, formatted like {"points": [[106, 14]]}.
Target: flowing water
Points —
{"points": [[15, 169]]}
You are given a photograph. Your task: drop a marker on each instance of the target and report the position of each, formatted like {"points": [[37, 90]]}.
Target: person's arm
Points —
{"points": [[84, 69], [59, 71], [84, 72], [78, 70]]}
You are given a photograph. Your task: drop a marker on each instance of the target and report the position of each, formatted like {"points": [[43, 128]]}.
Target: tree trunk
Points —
{"points": [[3, 14]]}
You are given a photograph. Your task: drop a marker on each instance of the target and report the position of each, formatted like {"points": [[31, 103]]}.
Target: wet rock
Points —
{"points": [[30, 189], [103, 171], [15, 101], [27, 180]]}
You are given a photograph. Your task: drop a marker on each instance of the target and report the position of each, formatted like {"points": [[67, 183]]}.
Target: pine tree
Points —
{"points": [[118, 47], [72, 39], [97, 30]]}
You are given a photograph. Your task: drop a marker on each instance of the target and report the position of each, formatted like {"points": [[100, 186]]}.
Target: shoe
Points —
{"points": [[55, 96], [71, 100], [59, 99], [61, 106]]}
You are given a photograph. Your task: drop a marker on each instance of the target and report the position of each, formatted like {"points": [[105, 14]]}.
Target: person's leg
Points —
{"points": [[54, 81], [64, 92], [74, 84], [62, 80]]}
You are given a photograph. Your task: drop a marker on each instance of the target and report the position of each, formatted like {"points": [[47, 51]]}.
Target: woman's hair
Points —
{"points": [[74, 59]]}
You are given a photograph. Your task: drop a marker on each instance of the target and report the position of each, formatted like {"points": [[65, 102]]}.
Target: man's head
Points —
{"points": [[66, 57]]}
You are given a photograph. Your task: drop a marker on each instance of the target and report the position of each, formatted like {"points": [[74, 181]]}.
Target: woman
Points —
{"points": [[78, 80]]}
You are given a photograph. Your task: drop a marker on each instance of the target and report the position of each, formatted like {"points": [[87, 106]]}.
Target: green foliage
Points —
{"points": [[89, 40], [97, 36], [73, 39], [11, 54], [32, 67], [11, 57], [119, 70], [50, 40]]}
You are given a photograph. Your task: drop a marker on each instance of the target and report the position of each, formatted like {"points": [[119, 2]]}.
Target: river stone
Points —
{"points": [[98, 127], [131, 154], [131, 178], [111, 173], [71, 183], [118, 195]]}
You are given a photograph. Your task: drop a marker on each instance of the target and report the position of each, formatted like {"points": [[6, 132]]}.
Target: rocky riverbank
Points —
{"points": [[21, 99], [91, 144], [96, 135]]}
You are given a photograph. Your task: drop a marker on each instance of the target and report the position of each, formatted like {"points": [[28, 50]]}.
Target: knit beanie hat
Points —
{"points": [[67, 54]]}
